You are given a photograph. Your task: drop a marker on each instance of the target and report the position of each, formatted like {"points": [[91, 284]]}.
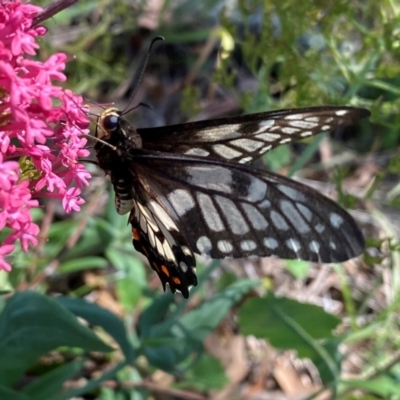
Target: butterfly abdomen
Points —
{"points": [[124, 194]]}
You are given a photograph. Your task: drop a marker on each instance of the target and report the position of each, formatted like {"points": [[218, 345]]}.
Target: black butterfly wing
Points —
{"points": [[156, 235], [225, 209], [245, 138]]}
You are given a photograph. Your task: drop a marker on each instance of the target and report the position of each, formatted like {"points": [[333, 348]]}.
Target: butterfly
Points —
{"points": [[189, 189]]}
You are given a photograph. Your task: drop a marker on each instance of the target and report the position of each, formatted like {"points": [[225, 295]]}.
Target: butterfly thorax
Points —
{"points": [[119, 142]]}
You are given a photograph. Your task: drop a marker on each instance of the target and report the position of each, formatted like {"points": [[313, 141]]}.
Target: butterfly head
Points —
{"points": [[109, 123]]}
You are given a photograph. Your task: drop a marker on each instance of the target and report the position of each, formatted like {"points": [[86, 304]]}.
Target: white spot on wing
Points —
{"points": [[152, 239], [265, 204], [314, 246], [210, 213], [247, 144], [159, 247], [145, 212], [341, 112], [256, 219], [289, 130], [181, 200], [279, 221], [271, 243], [197, 152], [183, 266], [204, 245], [312, 119], [336, 220], [245, 160], [248, 245], [162, 215], [233, 216], [263, 125], [211, 177], [305, 211], [224, 246], [257, 190], [168, 252], [319, 228], [294, 116], [268, 136], [186, 250], [225, 151], [223, 132], [303, 124], [285, 140], [294, 216], [293, 244], [293, 194], [265, 149]]}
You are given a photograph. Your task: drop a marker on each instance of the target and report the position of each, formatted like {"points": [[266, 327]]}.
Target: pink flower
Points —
{"points": [[41, 124]]}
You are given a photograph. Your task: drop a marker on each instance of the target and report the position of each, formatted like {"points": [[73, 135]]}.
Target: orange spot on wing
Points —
{"points": [[165, 270], [176, 280], [135, 234]]}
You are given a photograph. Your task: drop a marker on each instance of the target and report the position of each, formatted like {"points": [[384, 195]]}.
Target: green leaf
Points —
{"points": [[329, 362], [170, 342], [94, 240], [166, 353], [154, 314], [284, 321], [201, 321], [52, 382], [207, 373], [288, 324], [383, 386], [30, 326], [80, 264], [7, 393], [99, 316], [129, 290], [123, 261]]}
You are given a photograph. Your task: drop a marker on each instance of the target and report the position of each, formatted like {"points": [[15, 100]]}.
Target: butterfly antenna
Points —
{"points": [[103, 142], [156, 39], [96, 139]]}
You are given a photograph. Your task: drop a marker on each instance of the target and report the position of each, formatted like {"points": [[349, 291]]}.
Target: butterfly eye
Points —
{"points": [[111, 122]]}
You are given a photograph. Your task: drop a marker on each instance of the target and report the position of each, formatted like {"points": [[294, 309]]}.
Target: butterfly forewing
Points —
{"points": [[245, 138], [188, 191]]}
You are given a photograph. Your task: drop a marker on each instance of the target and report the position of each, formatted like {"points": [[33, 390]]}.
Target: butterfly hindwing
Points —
{"points": [[231, 210], [155, 235]]}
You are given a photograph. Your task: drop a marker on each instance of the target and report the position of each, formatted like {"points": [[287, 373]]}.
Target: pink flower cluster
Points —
{"points": [[41, 126]]}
